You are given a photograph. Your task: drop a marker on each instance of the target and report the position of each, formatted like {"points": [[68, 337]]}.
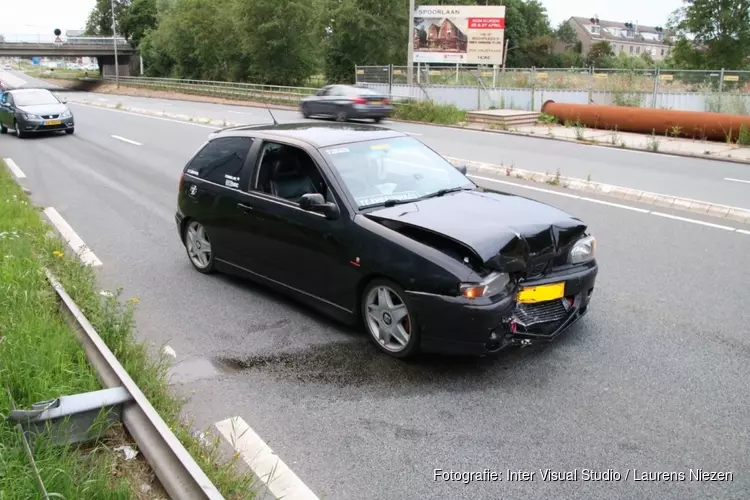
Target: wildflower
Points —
{"points": [[58, 254]]}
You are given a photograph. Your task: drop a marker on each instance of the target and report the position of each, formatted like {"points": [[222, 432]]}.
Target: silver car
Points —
{"points": [[29, 111]]}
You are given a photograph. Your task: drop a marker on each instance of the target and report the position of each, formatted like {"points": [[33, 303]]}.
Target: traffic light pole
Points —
{"points": [[114, 43]]}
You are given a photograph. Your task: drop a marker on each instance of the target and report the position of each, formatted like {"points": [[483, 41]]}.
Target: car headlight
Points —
{"points": [[31, 117], [66, 114], [583, 251], [494, 284]]}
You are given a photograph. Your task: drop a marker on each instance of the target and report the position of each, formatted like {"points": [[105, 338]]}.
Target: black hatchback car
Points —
{"points": [[29, 111], [369, 224]]}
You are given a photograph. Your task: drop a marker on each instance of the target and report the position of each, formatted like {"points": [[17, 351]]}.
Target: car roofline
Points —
{"points": [[269, 131]]}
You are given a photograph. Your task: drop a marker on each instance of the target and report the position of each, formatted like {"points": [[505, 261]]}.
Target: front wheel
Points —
{"points": [[389, 318], [3, 129], [377, 120], [70, 131], [341, 115], [305, 112], [198, 247], [17, 128]]}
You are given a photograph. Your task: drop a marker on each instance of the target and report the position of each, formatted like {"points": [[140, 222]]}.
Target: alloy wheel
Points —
{"points": [[198, 245], [341, 116], [388, 319]]}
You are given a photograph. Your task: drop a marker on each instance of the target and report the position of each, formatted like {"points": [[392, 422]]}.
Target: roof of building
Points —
{"points": [[614, 31], [318, 135]]}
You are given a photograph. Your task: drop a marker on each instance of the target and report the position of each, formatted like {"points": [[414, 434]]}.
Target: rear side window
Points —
{"points": [[221, 161]]}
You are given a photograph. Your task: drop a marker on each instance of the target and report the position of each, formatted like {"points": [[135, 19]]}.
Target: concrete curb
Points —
{"points": [[662, 200], [480, 168]]}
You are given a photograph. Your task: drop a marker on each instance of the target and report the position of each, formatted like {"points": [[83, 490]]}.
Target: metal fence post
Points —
{"points": [[390, 80], [591, 84], [533, 88], [721, 89], [656, 87], [479, 88]]}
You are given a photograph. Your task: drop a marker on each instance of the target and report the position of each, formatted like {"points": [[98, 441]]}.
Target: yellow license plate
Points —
{"points": [[541, 293], [52, 122], [376, 102]]}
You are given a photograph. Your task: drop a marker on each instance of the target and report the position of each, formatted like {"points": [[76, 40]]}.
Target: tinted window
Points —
{"points": [[35, 97], [401, 169], [221, 161], [288, 172], [353, 91]]}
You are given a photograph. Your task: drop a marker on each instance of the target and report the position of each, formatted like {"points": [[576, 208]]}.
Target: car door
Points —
{"points": [[212, 180], [302, 250]]}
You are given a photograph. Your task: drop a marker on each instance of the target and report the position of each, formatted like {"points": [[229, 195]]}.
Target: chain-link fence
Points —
{"points": [[478, 87]]}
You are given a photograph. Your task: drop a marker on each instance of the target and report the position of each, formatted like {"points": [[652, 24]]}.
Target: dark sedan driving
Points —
{"points": [[370, 225], [346, 102], [29, 111]]}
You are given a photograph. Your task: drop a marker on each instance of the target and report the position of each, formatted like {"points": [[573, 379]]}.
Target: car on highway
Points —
{"points": [[346, 102], [370, 225], [7, 67], [29, 111]]}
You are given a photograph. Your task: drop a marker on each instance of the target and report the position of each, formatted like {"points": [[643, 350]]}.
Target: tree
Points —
{"points": [[566, 34], [99, 21], [601, 54], [712, 34], [137, 20]]}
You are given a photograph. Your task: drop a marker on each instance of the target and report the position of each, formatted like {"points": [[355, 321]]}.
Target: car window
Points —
{"points": [[221, 161], [288, 172], [401, 168], [4, 97], [324, 91], [35, 97]]}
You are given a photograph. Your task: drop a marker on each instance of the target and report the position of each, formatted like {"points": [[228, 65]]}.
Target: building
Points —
{"points": [[631, 38], [445, 37]]}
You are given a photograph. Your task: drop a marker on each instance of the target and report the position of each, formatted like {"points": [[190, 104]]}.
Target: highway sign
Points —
{"points": [[58, 41]]}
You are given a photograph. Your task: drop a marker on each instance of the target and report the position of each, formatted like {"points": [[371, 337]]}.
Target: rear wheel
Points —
{"points": [[341, 115], [388, 318], [305, 111], [377, 120], [198, 246], [3, 129]]}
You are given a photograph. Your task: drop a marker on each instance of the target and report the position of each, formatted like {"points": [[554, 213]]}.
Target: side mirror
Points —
{"points": [[462, 169], [314, 202]]}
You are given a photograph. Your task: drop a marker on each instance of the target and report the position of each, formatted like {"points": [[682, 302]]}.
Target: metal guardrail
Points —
{"points": [[177, 471], [219, 89], [47, 39]]}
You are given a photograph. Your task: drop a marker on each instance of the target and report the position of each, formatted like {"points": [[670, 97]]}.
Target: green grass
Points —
{"points": [[41, 359], [428, 111]]}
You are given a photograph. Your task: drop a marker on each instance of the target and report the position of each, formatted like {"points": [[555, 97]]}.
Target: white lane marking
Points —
{"points": [[241, 113], [123, 139], [736, 180], [263, 461], [102, 99], [142, 115], [615, 205], [702, 223], [74, 241], [14, 168]]}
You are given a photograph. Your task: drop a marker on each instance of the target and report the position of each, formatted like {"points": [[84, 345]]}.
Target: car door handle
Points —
{"points": [[245, 208]]}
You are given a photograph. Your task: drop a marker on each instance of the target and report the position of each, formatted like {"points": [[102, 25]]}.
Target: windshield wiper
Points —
{"points": [[389, 203], [443, 192]]}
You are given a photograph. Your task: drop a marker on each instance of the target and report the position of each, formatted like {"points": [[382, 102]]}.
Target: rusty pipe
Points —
{"points": [[691, 124]]}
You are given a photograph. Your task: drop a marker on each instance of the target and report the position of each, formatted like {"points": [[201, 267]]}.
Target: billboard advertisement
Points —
{"points": [[459, 34]]}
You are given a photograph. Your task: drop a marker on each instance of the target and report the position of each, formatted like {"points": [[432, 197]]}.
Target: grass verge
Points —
{"points": [[428, 111], [40, 359]]}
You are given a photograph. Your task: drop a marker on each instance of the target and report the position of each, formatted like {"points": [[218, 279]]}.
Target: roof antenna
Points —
{"points": [[269, 112]]}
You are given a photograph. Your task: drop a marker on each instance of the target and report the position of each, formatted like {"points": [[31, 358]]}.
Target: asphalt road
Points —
{"points": [[653, 379], [693, 178]]}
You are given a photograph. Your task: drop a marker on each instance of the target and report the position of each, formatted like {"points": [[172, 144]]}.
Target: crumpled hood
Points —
{"points": [[506, 232], [44, 109]]}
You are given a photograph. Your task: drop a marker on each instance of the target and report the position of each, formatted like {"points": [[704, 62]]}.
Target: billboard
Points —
{"points": [[459, 34]]}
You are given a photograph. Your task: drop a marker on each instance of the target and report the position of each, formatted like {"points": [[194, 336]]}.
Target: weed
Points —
{"points": [[555, 181], [743, 138], [653, 142], [545, 118], [614, 137], [580, 130], [118, 105], [675, 131]]}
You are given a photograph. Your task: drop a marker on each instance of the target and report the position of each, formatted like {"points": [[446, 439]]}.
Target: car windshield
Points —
{"points": [[400, 169], [34, 97]]}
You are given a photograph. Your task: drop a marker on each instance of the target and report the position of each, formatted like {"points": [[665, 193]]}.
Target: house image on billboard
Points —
{"points": [[442, 36]]}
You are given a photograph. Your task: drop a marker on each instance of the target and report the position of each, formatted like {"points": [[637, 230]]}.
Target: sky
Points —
{"points": [[43, 16]]}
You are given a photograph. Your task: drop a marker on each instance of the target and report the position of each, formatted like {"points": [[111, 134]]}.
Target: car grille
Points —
{"points": [[536, 270], [50, 117], [542, 312]]}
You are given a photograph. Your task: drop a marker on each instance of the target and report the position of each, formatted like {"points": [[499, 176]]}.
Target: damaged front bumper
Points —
{"points": [[453, 325]]}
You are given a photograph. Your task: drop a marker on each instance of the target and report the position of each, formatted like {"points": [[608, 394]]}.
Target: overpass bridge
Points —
{"points": [[102, 48]]}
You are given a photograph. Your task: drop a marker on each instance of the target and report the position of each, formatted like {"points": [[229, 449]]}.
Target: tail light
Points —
{"points": [[360, 100]]}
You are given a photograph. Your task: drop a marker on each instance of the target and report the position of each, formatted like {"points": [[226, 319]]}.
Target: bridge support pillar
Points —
{"points": [[129, 65]]}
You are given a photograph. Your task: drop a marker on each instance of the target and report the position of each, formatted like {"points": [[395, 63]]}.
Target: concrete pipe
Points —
{"points": [[692, 124]]}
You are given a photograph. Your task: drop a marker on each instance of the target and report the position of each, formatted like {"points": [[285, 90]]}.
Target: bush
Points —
{"points": [[428, 111]]}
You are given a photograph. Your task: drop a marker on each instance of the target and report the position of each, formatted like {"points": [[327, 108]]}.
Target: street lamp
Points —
{"points": [[114, 43]]}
